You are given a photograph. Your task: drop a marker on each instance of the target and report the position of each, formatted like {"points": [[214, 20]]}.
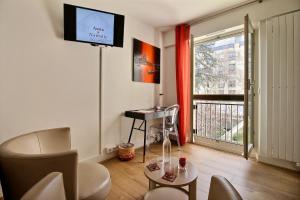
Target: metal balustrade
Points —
{"points": [[221, 121]]}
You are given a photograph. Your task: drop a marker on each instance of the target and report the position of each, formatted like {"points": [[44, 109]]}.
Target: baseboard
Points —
{"points": [[279, 163], [99, 158]]}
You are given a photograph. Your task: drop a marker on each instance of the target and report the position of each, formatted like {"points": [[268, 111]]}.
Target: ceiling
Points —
{"points": [[160, 13]]}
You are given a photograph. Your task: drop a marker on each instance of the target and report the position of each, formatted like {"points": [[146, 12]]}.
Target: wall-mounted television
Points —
{"points": [[93, 26]]}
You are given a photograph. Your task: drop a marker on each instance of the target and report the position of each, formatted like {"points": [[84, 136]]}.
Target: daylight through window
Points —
{"points": [[219, 65]]}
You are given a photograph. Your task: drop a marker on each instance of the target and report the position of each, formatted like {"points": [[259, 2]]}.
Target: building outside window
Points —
{"points": [[219, 65], [231, 83], [232, 68]]}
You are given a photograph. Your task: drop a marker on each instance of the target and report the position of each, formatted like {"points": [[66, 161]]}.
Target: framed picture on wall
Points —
{"points": [[146, 62]]}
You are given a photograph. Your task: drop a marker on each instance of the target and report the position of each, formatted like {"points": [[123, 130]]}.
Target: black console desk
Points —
{"points": [[144, 115]]}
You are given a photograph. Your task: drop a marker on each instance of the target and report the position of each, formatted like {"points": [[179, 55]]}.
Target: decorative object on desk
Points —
{"points": [[126, 151], [157, 108], [169, 176], [146, 62], [160, 101], [153, 166]]}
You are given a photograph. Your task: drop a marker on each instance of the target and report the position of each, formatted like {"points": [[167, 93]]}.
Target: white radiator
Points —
{"points": [[279, 121]]}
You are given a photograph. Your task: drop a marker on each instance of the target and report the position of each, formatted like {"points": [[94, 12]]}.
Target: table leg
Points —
{"points": [[145, 135], [193, 190], [131, 130], [152, 185]]}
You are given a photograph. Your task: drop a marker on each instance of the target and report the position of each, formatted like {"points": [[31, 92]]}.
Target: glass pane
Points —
{"points": [[219, 66], [251, 88]]}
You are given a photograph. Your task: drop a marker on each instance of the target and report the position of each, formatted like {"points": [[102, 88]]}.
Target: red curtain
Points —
{"points": [[183, 79]]}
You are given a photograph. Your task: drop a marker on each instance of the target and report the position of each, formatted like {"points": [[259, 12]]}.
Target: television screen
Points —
{"points": [[93, 26]]}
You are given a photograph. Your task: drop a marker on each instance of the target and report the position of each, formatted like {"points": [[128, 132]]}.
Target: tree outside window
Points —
{"points": [[219, 66]]}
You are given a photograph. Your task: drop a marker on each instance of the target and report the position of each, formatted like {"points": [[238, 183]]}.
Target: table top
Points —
{"points": [[182, 179], [147, 114]]}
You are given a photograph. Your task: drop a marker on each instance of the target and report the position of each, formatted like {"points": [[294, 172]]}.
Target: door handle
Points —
{"points": [[250, 83]]}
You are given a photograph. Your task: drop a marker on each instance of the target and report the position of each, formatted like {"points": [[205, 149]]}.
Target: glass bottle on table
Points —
{"points": [[166, 151]]}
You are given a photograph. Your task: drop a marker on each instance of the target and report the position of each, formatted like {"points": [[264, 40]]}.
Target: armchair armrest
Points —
{"points": [[49, 188], [26, 170]]}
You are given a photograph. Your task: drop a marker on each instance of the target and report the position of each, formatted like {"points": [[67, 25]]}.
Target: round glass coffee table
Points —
{"points": [[187, 177]]}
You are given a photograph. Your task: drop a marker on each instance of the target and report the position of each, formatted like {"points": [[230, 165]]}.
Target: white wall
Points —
{"points": [[119, 93], [169, 76], [256, 12], [169, 69], [47, 82]]}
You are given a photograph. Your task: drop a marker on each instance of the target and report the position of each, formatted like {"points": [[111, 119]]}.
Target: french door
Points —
{"points": [[248, 132], [223, 89]]}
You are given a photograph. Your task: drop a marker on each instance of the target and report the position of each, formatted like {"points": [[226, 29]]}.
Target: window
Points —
{"points": [[219, 64], [231, 83], [231, 92], [231, 55], [221, 84], [221, 92], [231, 68]]}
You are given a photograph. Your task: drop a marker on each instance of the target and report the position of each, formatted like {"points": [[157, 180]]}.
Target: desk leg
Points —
{"points": [[131, 130], [193, 190], [152, 185], [145, 135]]}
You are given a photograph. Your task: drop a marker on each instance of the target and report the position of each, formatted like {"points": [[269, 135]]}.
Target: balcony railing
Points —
{"points": [[221, 121]]}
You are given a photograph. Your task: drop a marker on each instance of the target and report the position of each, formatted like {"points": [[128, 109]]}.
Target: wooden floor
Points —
{"points": [[252, 179]]}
